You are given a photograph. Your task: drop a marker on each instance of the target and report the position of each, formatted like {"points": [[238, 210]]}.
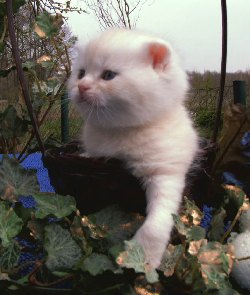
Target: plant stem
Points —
{"points": [[232, 225], [223, 68], [21, 78], [243, 258]]}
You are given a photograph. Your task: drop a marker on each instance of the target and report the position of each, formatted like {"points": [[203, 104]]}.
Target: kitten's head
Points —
{"points": [[125, 78]]}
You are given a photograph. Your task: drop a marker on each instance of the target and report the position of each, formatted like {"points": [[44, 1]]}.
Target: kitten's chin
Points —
{"points": [[100, 118], [88, 99]]}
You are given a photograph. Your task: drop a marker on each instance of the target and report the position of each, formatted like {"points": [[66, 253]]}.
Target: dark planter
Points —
{"points": [[95, 183]]}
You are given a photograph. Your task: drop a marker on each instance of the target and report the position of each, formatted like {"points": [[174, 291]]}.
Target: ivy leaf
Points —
{"points": [[12, 125], [235, 195], [5, 73], [179, 224], [113, 225], [48, 25], [96, 264], [10, 224], [192, 232], [15, 180], [63, 251], [216, 263], [170, 259], [9, 256], [191, 214], [53, 204], [217, 225], [29, 64], [79, 235], [134, 257], [196, 233]]}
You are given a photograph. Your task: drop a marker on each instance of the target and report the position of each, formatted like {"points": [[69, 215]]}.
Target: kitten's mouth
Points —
{"points": [[88, 99]]}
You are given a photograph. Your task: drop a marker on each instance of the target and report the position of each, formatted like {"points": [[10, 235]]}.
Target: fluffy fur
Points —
{"points": [[138, 116]]}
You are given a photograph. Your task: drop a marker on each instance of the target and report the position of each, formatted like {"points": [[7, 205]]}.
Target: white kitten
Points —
{"points": [[130, 89]]}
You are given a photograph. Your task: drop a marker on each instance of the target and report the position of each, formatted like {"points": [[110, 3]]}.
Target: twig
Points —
{"points": [[231, 225], [23, 84], [4, 29], [242, 258]]}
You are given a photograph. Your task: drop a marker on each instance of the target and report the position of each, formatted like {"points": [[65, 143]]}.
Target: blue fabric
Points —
{"points": [[34, 161]]}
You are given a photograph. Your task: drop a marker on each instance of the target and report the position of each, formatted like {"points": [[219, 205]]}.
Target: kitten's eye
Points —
{"points": [[81, 74], [108, 75]]}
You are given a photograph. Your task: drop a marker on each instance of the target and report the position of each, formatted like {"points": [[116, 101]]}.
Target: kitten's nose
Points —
{"points": [[82, 88]]}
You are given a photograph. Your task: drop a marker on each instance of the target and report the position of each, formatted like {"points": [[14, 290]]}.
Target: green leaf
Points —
{"points": [[215, 265], [235, 196], [179, 224], [215, 279], [12, 125], [10, 224], [63, 251], [134, 257], [15, 180], [115, 250], [53, 204], [225, 263], [79, 235], [217, 225], [29, 64], [113, 225], [5, 73], [196, 233], [191, 210], [96, 264], [47, 25], [170, 259], [9, 256]]}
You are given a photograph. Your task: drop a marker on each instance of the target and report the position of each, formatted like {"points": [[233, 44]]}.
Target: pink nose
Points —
{"points": [[82, 88]]}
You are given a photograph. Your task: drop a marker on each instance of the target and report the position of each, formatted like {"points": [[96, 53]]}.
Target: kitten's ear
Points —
{"points": [[159, 55]]}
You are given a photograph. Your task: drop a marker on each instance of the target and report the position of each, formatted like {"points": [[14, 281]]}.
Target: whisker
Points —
{"points": [[108, 113], [97, 108], [90, 110]]}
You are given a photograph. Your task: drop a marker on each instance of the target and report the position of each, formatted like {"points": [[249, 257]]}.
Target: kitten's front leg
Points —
{"points": [[164, 194]]}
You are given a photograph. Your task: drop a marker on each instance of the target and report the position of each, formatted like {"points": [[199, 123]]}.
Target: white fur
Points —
{"points": [[139, 118]]}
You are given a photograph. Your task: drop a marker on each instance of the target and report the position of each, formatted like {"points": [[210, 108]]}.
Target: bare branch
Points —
{"points": [[119, 13]]}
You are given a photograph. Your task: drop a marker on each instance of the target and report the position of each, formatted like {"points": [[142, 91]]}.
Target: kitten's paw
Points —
{"points": [[152, 244]]}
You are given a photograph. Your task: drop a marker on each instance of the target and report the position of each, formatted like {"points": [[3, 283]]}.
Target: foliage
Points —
{"points": [[63, 252], [10, 224], [45, 44], [96, 251], [205, 118], [15, 180], [55, 205]]}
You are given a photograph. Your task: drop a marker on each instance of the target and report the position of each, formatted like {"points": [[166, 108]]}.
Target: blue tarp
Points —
{"points": [[34, 161]]}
